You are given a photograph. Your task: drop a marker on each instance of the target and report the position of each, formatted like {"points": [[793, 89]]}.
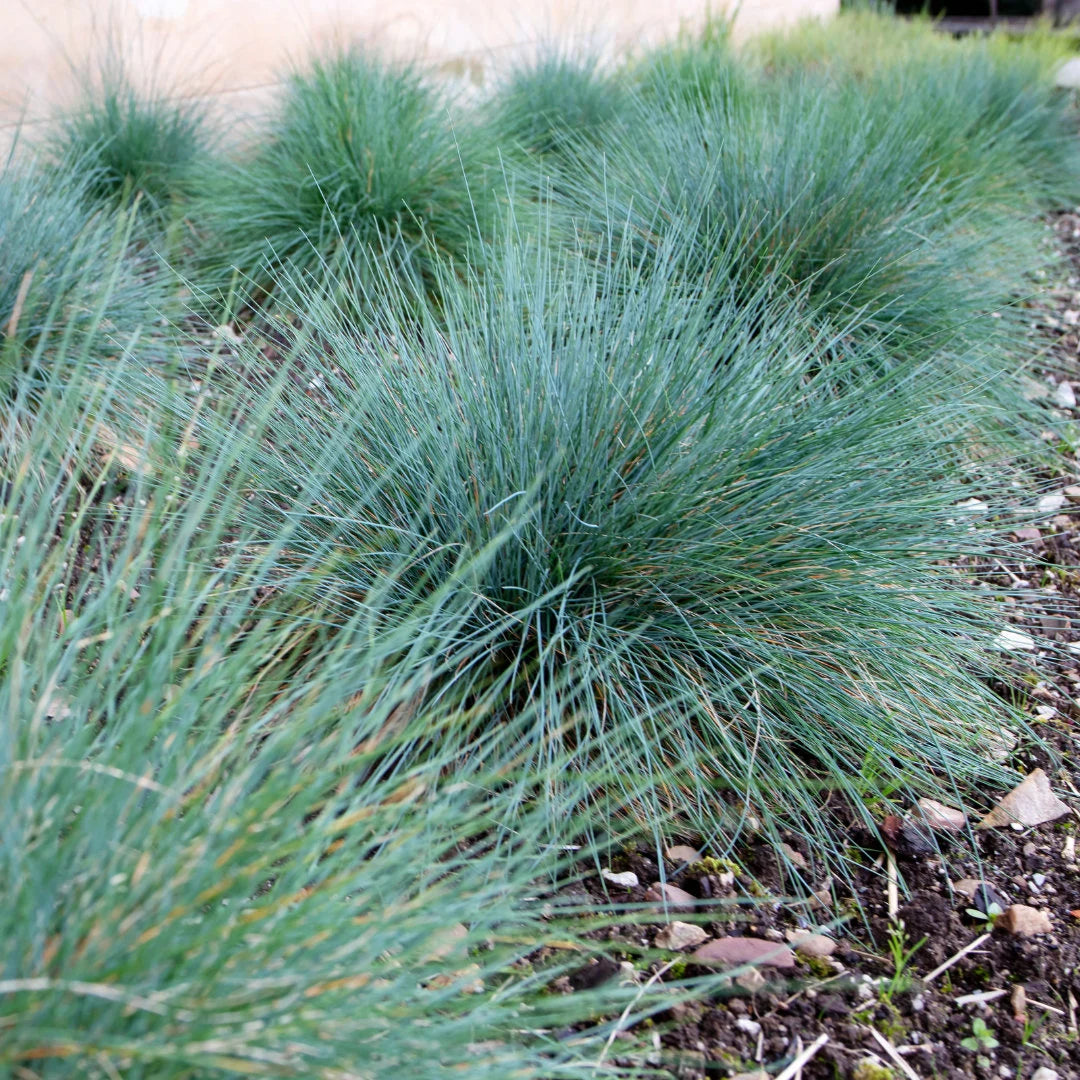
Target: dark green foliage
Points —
{"points": [[556, 105], [361, 160], [133, 145]]}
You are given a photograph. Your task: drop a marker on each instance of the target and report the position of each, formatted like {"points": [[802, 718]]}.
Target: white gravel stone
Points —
{"points": [[627, 880]]}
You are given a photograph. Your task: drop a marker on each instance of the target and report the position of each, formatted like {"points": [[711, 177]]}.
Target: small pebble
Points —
{"points": [[671, 895], [682, 853], [1063, 395], [627, 880], [796, 858], [811, 944], [681, 935], [1023, 921]]}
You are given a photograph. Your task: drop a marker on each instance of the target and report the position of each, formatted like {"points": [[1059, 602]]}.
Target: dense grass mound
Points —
{"points": [[698, 68], [986, 107], [133, 145], [68, 287], [360, 160], [825, 195], [744, 573], [331, 645], [556, 104], [218, 861]]}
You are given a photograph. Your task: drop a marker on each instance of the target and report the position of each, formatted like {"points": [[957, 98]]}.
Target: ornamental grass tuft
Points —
{"points": [[745, 576], [359, 160], [70, 286], [218, 860], [141, 146], [555, 104]]}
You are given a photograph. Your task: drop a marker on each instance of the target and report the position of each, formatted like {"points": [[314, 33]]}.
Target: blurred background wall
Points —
{"points": [[235, 50]]}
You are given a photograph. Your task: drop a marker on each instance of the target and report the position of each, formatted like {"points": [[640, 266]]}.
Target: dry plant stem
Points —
{"points": [[981, 998], [894, 1055], [796, 1066], [20, 299], [893, 891], [1047, 1008], [656, 975], [942, 968]]}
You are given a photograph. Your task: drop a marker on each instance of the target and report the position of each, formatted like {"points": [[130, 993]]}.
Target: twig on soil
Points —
{"points": [[796, 1066], [891, 1050], [981, 997], [942, 968], [633, 1001], [892, 890], [1047, 1008]]}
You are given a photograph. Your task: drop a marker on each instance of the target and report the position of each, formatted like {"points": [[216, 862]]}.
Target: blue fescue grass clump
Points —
{"points": [[804, 191], [904, 198], [69, 284], [644, 511], [829, 193], [700, 67], [360, 160], [555, 104], [141, 146], [218, 860], [744, 575], [990, 113]]}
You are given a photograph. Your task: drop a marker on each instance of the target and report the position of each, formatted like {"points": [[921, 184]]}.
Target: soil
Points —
{"points": [[1006, 1008]]}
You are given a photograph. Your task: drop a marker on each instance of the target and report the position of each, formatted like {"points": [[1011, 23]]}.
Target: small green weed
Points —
{"points": [[901, 955], [980, 1041]]}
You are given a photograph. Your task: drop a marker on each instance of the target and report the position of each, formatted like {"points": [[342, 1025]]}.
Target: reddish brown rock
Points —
{"points": [[670, 895], [735, 951]]}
